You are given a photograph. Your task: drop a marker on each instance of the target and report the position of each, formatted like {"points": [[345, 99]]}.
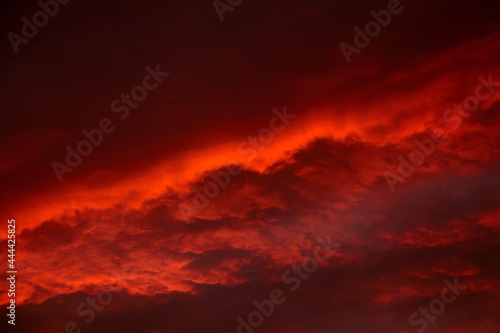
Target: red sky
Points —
{"points": [[322, 175]]}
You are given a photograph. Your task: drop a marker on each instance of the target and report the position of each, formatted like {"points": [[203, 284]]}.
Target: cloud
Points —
{"points": [[323, 175]]}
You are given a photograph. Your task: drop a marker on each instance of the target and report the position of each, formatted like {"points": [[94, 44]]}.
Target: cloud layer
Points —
{"points": [[322, 175]]}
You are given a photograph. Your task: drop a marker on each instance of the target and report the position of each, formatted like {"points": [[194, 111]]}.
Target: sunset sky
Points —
{"points": [[257, 145]]}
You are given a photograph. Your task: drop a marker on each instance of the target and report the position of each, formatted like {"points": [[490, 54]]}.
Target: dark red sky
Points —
{"points": [[322, 175]]}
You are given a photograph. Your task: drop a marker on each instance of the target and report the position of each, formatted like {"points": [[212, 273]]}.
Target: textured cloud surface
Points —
{"points": [[136, 224]]}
